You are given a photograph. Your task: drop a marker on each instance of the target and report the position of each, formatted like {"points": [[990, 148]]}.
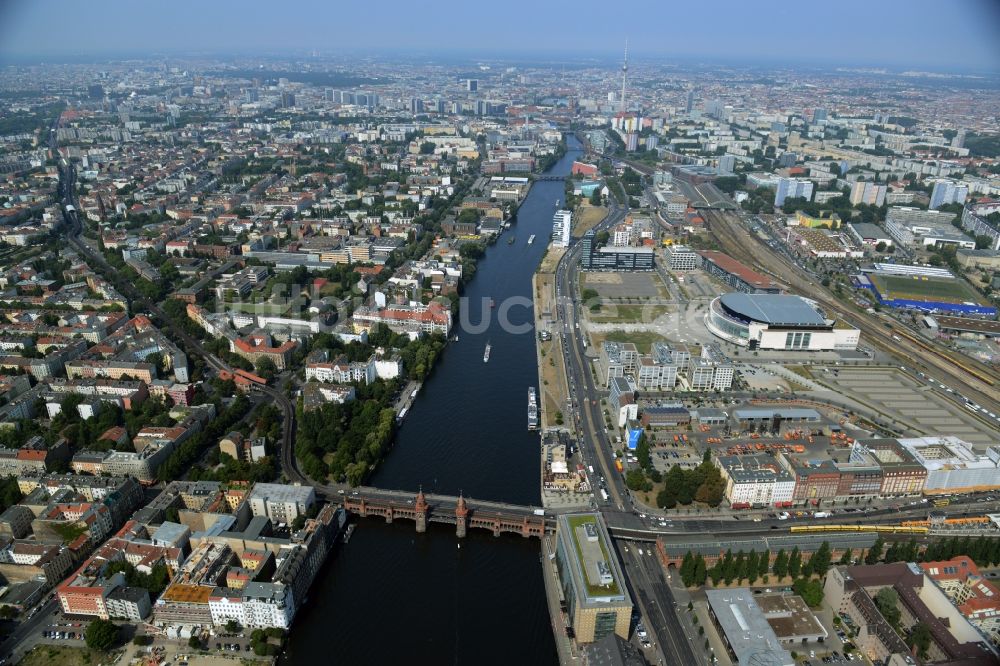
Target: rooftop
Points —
{"points": [[730, 265], [595, 570], [773, 309], [746, 628], [280, 492]]}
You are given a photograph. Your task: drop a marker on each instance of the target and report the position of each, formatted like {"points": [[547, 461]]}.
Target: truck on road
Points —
{"points": [[539, 512]]}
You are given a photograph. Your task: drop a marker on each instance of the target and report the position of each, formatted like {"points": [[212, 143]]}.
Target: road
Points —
{"points": [[656, 602], [585, 397], [19, 642]]}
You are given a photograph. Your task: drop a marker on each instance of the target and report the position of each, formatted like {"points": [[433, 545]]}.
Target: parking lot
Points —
{"points": [[905, 398]]}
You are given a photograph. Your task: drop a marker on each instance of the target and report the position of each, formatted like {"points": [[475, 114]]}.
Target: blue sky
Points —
{"points": [[899, 33]]}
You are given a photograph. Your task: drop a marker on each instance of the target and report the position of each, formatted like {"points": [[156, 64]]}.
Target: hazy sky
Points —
{"points": [[908, 33]]}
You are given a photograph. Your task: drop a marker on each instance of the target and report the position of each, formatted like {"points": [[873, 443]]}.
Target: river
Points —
{"points": [[394, 596]]}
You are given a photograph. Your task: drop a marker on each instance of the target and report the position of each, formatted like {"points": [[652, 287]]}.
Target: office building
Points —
{"points": [[744, 629], [681, 258], [792, 188], [618, 359], [727, 164], [913, 227], [976, 221], [867, 192], [472, 85], [715, 108], [948, 192], [597, 600], [562, 223], [738, 276], [281, 503], [953, 466], [976, 597], [851, 591], [614, 258], [757, 480]]}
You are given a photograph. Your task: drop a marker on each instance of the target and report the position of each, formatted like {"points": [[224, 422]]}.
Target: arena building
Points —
{"points": [[777, 321]]}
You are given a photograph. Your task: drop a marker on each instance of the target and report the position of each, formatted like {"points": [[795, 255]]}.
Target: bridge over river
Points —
{"points": [[497, 517]]}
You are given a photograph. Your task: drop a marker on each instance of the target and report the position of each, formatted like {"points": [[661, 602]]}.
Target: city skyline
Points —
{"points": [[488, 334], [893, 34]]}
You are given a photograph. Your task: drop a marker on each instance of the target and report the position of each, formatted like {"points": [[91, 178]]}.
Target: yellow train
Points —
{"points": [[986, 379], [881, 529]]}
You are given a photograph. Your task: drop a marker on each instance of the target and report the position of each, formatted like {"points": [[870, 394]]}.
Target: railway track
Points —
{"points": [[977, 383]]}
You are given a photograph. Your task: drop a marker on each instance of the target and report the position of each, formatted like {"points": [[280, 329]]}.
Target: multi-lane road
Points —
{"points": [[654, 599], [584, 396]]}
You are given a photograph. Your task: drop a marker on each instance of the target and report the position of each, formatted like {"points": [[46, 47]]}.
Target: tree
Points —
{"points": [[887, 602], [642, 452], [780, 568], [687, 569], [875, 552], [753, 562], [846, 557], [763, 563], [427, 148], [666, 498], [811, 591], [232, 626], [194, 642], [920, 638], [595, 197], [794, 562], [101, 635], [266, 368], [700, 572], [820, 560]]}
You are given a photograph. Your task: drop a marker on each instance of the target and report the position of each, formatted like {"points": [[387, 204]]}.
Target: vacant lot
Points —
{"points": [[554, 390], [545, 293], [618, 286], [614, 312], [587, 217], [58, 655], [551, 259]]}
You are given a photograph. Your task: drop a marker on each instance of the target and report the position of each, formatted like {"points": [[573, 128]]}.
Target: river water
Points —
{"points": [[394, 596]]}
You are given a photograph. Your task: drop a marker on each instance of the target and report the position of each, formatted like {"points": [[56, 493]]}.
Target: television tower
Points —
{"points": [[624, 74]]}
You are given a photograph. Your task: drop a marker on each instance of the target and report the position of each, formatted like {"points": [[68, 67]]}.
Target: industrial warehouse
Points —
{"points": [[777, 321]]}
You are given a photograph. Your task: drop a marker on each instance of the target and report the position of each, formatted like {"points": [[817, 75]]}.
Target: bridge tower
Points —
{"points": [[420, 511], [461, 517]]}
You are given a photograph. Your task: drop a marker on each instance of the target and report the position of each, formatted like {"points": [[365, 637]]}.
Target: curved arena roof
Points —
{"points": [[772, 309]]}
